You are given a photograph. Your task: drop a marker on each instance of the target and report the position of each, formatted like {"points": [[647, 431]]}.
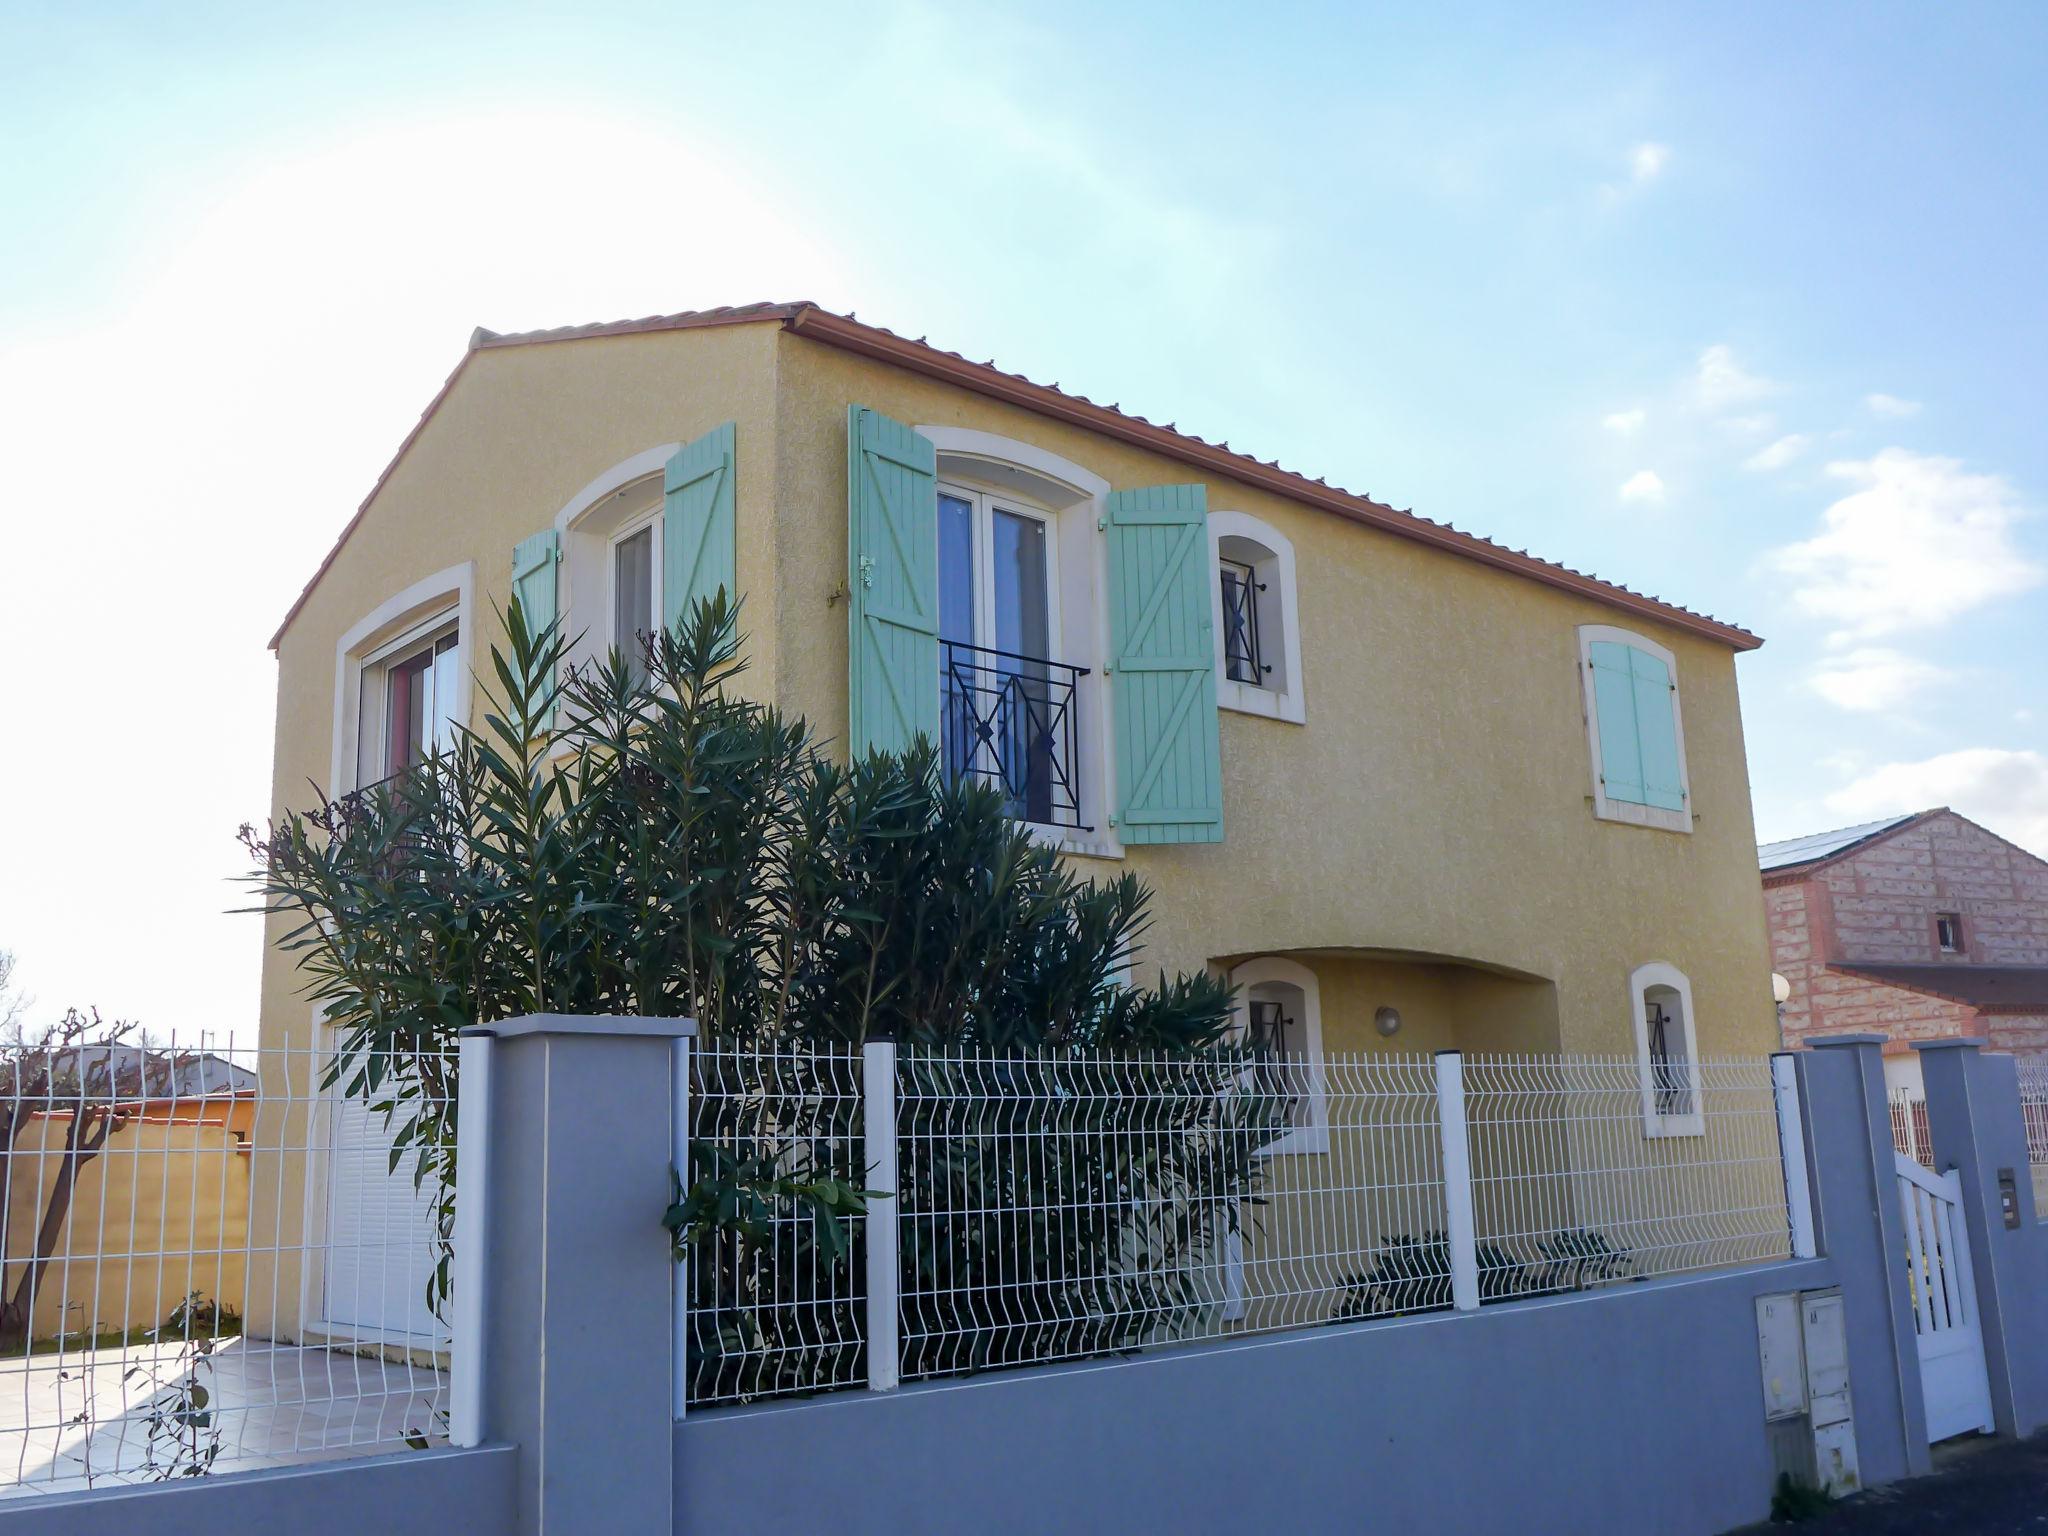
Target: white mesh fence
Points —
{"points": [[213, 1259], [1578, 1180], [1057, 1205], [2033, 1073], [775, 1305]]}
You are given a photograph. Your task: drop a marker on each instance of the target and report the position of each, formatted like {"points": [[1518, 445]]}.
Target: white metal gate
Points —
{"points": [[1940, 1283]]}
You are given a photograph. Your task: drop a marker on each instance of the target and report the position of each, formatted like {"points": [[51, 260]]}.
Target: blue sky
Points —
{"points": [[1740, 306]]}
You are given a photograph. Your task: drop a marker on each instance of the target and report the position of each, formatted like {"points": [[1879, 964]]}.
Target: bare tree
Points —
{"points": [[90, 1076]]}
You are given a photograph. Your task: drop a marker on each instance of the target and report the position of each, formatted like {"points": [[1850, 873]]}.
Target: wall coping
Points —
{"points": [[1954, 1043], [584, 1026], [1833, 1040]]}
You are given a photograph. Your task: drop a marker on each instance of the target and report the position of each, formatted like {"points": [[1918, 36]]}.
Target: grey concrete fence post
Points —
{"points": [[1862, 1228], [577, 1364], [1973, 1114]]}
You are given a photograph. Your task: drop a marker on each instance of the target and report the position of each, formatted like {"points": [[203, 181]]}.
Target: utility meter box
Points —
{"points": [[1802, 1348]]}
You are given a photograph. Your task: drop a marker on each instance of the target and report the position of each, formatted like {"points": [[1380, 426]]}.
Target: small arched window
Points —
{"points": [[1258, 634], [1280, 1015], [1667, 1050]]}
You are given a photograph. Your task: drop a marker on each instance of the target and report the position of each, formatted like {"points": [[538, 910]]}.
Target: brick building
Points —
{"points": [[1918, 928]]}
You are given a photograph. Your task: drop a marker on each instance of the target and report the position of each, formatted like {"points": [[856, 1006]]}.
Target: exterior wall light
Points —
{"points": [[1387, 1021]]}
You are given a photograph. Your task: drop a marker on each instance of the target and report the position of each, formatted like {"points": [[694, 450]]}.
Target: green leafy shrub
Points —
{"points": [[646, 840]]}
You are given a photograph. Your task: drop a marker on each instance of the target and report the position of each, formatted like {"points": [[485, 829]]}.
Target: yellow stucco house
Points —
{"points": [[1411, 789]]}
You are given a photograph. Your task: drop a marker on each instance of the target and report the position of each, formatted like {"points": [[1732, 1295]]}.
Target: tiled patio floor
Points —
{"points": [[82, 1420]]}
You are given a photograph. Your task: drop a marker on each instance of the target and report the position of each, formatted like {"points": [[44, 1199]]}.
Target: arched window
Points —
{"points": [[1634, 729], [1258, 634], [611, 576], [1280, 1014], [1021, 703], [1667, 1050], [401, 682]]}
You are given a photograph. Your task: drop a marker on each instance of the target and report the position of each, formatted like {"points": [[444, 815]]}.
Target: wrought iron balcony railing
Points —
{"points": [[1010, 721]]}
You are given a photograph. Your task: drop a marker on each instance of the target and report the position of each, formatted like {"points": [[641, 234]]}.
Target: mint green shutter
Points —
{"points": [[1634, 701], [536, 563], [1169, 761], [697, 525], [1614, 709], [1657, 731], [892, 544]]}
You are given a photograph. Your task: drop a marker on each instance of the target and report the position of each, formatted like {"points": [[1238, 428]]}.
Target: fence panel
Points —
{"points": [[1573, 1190], [776, 1299], [213, 1258], [2033, 1073]]}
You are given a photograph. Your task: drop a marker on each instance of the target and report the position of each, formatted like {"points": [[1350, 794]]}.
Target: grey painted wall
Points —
{"points": [[418, 1493], [1639, 1410]]}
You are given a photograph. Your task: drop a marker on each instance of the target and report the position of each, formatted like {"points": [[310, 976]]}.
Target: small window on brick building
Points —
{"points": [[1948, 932]]}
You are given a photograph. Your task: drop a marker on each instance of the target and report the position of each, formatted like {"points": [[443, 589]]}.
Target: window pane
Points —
{"points": [[405, 712], [443, 713], [633, 596], [956, 569], [1020, 585]]}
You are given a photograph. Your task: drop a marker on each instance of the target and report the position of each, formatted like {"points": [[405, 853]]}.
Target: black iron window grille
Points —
{"points": [[1670, 1074], [1010, 721], [1242, 661], [1279, 1063]]}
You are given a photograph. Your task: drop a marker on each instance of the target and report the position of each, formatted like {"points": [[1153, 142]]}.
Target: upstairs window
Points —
{"points": [[1006, 703], [1634, 729], [635, 589], [407, 709], [1258, 637], [1948, 932]]}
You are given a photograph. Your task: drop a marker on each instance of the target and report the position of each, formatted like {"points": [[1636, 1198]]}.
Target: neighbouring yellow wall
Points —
{"points": [[160, 1212]]}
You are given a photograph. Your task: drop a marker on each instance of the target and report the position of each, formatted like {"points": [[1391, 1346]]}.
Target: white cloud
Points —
{"points": [[1891, 406], [1778, 454], [1645, 486], [1646, 162], [1625, 422], [1873, 679], [2007, 791], [1719, 382], [1918, 541]]}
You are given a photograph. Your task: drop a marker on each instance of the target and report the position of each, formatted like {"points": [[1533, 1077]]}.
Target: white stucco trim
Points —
{"points": [[449, 593], [649, 461], [1314, 1136], [1625, 810], [1076, 497], [1661, 973], [585, 526], [966, 442], [1285, 702]]}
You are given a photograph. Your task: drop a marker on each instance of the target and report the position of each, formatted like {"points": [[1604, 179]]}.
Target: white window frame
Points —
{"points": [[1628, 811], [1273, 563], [406, 618], [647, 518], [1314, 1136], [622, 497], [1661, 973], [1075, 500], [986, 502]]}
